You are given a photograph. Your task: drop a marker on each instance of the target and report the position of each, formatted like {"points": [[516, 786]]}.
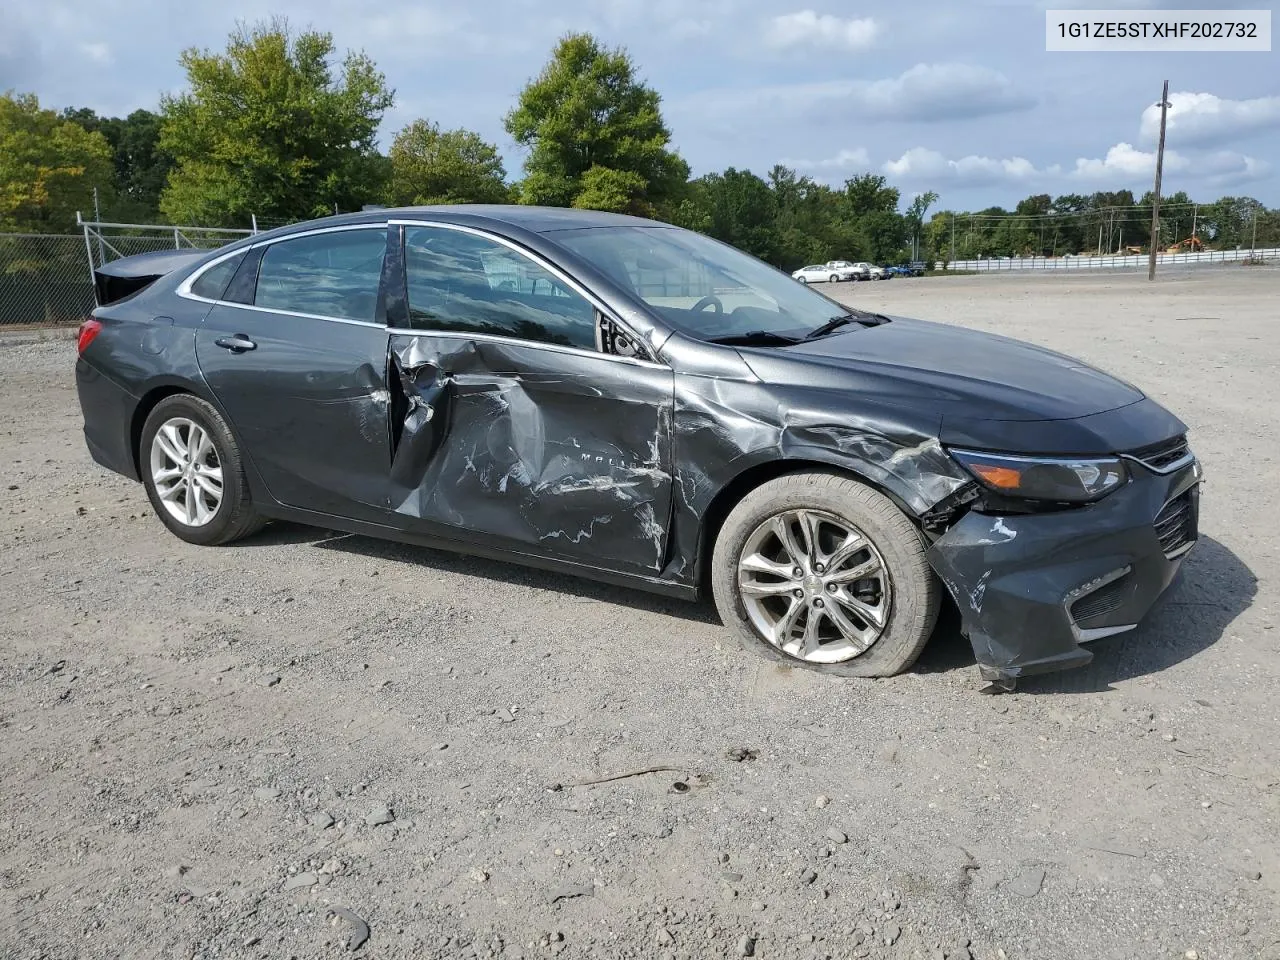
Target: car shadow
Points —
{"points": [[446, 561], [1213, 588]]}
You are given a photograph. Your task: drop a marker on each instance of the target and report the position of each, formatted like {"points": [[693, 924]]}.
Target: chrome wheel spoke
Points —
{"points": [[170, 442], [848, 629], [860, 572], [757, 563], [169, 492], [762, 588], [782, 530], [852, 543], [787, 623], [186, 472], [794, 579], [872, 615], [808, 522], [812, 638]]}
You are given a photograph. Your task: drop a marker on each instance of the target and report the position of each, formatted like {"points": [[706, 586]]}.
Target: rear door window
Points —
{"points": [[333, 274]]}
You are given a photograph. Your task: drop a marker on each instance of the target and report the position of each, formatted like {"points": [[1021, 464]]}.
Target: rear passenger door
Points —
{"points": [[296, 353]]}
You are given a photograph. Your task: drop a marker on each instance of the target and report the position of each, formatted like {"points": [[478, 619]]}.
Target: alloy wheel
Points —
{"points": [[186, 471], [814, 586]]}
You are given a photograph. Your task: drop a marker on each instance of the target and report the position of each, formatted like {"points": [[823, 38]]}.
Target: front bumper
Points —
{"points": [[1033, 588]]}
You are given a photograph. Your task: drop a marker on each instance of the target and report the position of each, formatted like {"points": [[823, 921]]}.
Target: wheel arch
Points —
{"points": [[150, 399], [749, 478]]}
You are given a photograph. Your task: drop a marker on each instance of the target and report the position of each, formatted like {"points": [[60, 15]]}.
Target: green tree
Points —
{"points": [[870, 193], [266, 128], [141, 167], [48, 167], [430, 165], [595, 134], [915, 217]]}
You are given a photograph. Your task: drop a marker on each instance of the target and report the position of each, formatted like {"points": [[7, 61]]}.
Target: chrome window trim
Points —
{"points": [[184, 289], [517, 342], [599, 305]]}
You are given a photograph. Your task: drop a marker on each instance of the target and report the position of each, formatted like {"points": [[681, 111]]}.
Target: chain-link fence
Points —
{"points": [[47, 279]]}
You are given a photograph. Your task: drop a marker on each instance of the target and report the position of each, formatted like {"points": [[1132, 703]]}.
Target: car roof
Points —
{"points": [[529, 218]]}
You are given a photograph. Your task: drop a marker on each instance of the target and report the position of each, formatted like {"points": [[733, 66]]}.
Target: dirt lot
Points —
{"points": [[197, 745]]}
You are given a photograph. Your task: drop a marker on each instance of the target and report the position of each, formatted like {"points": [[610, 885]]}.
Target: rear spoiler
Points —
{"points": [[121, 278]]}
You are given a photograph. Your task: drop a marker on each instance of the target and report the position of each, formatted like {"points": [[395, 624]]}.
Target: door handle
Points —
{"points": [[236, 344]]}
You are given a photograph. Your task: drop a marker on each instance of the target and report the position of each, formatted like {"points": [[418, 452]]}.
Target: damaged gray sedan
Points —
{"points": [[632, 402]]}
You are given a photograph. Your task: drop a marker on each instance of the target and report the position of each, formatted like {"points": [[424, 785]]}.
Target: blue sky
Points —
{"points": [[958, 97]]}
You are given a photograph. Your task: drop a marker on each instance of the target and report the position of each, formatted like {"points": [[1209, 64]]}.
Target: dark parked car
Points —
{"points": [[629, 401]]}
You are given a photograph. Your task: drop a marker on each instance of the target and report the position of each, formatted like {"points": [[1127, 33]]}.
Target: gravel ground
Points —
{"points": [[263, 750]]}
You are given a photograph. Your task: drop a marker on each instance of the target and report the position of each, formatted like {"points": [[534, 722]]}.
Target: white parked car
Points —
{"points": [[880, 273], [856, 271], [822, 273]]}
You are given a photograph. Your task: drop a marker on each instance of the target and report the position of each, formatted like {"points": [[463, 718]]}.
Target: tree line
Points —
{"points": [[277, 127]]}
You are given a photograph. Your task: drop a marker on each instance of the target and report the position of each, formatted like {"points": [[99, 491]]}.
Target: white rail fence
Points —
{"points": [[1117, 262]]}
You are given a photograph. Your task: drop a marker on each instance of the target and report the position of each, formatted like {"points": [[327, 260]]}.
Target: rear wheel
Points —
{"points": [[193, 475], [818, 570], [835, 278]]}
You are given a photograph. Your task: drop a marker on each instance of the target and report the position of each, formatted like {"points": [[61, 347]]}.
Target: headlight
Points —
{"points": [[1045, 478]]}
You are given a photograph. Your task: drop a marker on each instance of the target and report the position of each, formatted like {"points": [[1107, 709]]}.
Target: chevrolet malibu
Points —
{"points": [[628, 401]]}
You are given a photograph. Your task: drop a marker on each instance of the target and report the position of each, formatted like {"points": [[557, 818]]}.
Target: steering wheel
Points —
{"points": [[709, 301]]}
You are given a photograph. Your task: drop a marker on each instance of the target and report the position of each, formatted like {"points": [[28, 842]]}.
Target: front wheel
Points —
{"points": [[835, 278], [192, 471], [818, 570]]}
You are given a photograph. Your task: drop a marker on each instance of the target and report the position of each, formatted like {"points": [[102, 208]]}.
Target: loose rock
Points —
{"points": [[322, 820], [378, 816], [270, 681], [822, 801], [837, 836], [266, 793], [809, 875], [300, 880], [1027, 883], [747, 947]]}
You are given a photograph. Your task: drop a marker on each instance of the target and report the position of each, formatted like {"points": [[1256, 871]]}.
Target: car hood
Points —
{"points": [[967, 373]]}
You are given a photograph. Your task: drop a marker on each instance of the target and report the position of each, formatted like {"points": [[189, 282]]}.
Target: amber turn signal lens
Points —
{"points": [[1001, 478]]}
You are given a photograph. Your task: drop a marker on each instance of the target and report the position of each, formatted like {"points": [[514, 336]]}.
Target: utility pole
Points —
{"points": [[1195, 212], [1155, 201], [953, 241], [1254, 241]]}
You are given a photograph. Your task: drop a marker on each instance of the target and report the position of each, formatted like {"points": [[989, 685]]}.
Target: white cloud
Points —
{"points": [[97, 52], [807, 28], [844, 160], [1202, 118], [921, 163], [1124, 161], [943, 91]]}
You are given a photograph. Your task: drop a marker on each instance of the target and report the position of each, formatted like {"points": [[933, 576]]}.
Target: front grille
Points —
{"points": [[1104, 600], [1175, 525], [1162, 455]]}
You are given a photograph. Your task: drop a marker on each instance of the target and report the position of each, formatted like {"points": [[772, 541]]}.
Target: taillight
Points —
{"points": [[88, 330]]}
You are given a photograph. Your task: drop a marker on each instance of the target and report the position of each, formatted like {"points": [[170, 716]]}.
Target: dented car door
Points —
{"points": [[512, 425]]}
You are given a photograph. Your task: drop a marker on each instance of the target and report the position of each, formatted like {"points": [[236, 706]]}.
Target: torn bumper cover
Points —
{"points": [[1032, 588]]}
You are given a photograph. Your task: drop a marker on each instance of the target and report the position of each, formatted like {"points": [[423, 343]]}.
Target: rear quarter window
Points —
{"points": [[212, 284]]}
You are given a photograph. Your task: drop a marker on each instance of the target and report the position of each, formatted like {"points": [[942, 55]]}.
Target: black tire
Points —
{"points": [[803, 280], [835, 278], [916, 592], [234, 517]]}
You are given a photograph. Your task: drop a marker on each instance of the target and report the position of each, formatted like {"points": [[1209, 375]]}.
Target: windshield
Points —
{"points": [[701, 286]]}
